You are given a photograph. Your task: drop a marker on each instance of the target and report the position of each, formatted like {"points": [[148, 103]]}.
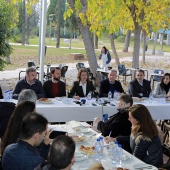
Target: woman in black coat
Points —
{"points": [[82, 86]]}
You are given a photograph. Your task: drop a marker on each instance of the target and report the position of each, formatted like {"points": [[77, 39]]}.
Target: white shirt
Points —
{"points": [[83, 87]]}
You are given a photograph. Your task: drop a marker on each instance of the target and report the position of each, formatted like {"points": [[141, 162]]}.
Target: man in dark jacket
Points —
{"points": [[29, 151], [54, 87], [139, 87], [110, 84], [61, 155], [29, 82], [118, 124]]}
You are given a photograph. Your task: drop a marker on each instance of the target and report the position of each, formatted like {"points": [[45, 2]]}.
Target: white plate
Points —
{"points": [[79, 157], [144, 166], [43, 102], [58, 98], [82, 129], [87, 153], [125, 158], [76, 137]]}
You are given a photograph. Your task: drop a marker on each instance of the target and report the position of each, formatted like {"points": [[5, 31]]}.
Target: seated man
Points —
{"points": [[110, 84], [54, 87], [139, 87], [61, 155], [118, 124], [1, 96], [32, 147], [27, 95], [29, 82]]}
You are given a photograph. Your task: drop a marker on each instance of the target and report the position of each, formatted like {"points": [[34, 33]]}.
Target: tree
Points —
{"points": [[23, 22], [134, 15], [127, 41], [8, 16], [58, 24], [79, 8]]}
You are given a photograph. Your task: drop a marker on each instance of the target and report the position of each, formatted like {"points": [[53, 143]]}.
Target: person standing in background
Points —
{"points": [[105, 57]]}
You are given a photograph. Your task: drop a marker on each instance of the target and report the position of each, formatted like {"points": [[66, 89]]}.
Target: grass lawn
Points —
{"points": [[22, 54]]}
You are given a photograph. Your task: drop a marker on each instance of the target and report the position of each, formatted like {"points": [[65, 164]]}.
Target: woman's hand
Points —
{"points": [[109, 139], [47, 139], [76, 97]]}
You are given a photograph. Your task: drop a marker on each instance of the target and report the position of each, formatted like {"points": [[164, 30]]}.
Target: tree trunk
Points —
{"points": [[136, 47], [144, 46], [114, 49], [86, 35], [155, 42], [127, 41], [71, 34], [162, 42], [28, 30], [23, 22], [96, 41], [58, 24]]}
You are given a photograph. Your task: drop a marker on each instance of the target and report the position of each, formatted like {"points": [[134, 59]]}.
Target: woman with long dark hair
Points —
{"points": [[105, 57], [144, 140], [162, 88], [13, 129]]}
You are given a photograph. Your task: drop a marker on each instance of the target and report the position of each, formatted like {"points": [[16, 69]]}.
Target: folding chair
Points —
{"points": [[124, 72]]}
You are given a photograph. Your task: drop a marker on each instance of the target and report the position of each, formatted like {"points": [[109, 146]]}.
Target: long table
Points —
{"points": [[91, 137], [59, 112], [158, 108]]}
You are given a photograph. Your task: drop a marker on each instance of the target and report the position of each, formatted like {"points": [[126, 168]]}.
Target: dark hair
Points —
{"points": [[53, 69], [140, 71], [126, 98], [105, 49], [79, 74], [61, 152], [146, 124], [162, 84], [30, 69], [13, 129], [31, 124]]}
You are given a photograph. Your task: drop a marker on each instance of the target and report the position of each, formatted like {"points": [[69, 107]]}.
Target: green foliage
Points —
{"points": [[7, 20]]}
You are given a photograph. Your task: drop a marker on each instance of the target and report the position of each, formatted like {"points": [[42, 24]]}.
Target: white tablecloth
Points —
{"points": [[59, 112], [159, 109], [82, 165]]}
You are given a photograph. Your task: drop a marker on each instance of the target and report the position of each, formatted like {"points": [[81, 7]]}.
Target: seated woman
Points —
{"points": [[144, 140], [118, 124], [13, 129], [82, 86], [162, 88]]}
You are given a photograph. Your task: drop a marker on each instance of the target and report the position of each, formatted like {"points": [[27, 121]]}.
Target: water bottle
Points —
{"points": [[89, 96], [116, 94], [113, 151], [119, 155], [102, 145], [97, 150], [150, 97], [109, 95]]}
